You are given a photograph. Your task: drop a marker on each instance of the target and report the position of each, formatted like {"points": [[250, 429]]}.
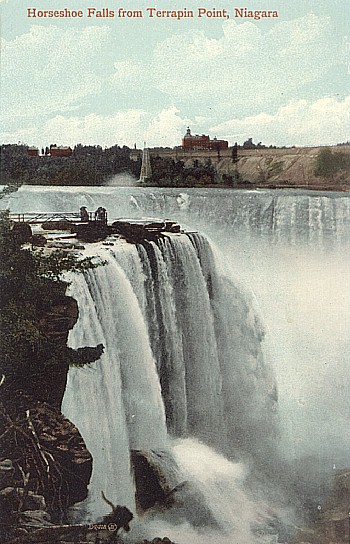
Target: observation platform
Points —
{"points": [[49, 225]]}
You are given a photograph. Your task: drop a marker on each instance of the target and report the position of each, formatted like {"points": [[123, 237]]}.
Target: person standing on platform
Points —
{"points": [[98, 214], [101, 215], [84, 215]]}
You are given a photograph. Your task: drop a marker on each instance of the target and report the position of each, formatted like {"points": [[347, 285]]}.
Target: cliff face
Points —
{"points": [[48, 454], [48, 384], [332, 525], [286, 168], [267, 167]]}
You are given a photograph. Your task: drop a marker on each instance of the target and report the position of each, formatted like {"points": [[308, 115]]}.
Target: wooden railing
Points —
{"points": [[36, 217]]}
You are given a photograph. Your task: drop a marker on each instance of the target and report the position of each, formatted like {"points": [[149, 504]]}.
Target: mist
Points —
{"points": [[122, 180]]}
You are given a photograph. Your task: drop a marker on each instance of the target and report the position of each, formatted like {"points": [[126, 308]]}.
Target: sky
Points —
{"points": [[107, 81]]}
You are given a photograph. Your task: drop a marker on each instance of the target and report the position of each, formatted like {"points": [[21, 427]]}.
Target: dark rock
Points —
{"points": [[49, 384], [9, 502], [18, 496], [94, 231], [6, 473], [35, 518], [83, 356], [6, 465], [137, 232], [57, 225], [172, 226], [49, 449], [60, 319], [66, 245], [151, 488], [38, 240], [159, 484], [332, 524], [31, 501]]}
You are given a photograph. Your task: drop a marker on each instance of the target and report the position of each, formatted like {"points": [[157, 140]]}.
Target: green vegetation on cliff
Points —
{"points": [[31, 285], [167, 172], [330, 163]]}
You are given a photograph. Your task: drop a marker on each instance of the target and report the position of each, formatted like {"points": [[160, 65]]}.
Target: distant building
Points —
{"points": [[60, 151], [33, 152], [202, 142]]}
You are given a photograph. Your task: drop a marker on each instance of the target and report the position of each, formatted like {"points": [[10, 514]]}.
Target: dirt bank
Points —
{"points": [[293, 167]]}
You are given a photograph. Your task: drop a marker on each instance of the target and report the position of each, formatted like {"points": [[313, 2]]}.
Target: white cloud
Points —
{"points": [[128, 75], [120, 128], [166, 129], [54, 77], [49, 69], [322, 122], [248, 67], [123, 128]]}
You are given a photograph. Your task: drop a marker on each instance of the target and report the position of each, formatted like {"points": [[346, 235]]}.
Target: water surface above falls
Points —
{"points": [[282, 215]]}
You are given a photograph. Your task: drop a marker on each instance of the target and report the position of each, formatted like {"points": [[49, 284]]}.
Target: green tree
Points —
{"points": [[30, 284], [330, 162]]}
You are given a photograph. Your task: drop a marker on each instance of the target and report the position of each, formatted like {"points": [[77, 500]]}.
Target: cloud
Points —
{"points": [[324, 121], [123, 128], [166, 129], [128, 75], [55, 77], [49, 69], [248, 67]]}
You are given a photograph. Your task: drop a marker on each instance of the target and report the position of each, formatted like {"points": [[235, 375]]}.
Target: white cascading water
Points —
{"points": [[285, 216], [179, 291], [117, 402], [170, 370], [287, 248]]}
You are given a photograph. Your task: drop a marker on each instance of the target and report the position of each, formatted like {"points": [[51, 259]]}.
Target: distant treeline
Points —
{"points": [[167, 172], [88, 165]]}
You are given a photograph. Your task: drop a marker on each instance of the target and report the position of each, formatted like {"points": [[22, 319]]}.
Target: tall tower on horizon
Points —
{"points": [[146, 167]]}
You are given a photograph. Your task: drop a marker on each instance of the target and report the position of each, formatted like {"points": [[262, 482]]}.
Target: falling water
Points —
{"points": [[171, 368], [288, 250]]}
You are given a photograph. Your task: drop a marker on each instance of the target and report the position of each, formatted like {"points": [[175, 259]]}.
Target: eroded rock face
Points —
{"points": [[48, 453], [151, 486], [47, 383], [332, 525]]}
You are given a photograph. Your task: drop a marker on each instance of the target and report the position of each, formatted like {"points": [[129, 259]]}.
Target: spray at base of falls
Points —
{"points": [[212, 505], [183, 358]]}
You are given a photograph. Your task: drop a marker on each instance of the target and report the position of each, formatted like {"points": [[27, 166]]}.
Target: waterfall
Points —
{"points": [[176, 365], [288, 250], [116, 402]]}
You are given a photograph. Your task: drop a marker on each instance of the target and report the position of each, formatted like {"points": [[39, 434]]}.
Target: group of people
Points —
{"points": [[100, 214]]}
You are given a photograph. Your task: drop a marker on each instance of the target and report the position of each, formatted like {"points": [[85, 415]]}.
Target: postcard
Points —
{"points": [[174, 273]]}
